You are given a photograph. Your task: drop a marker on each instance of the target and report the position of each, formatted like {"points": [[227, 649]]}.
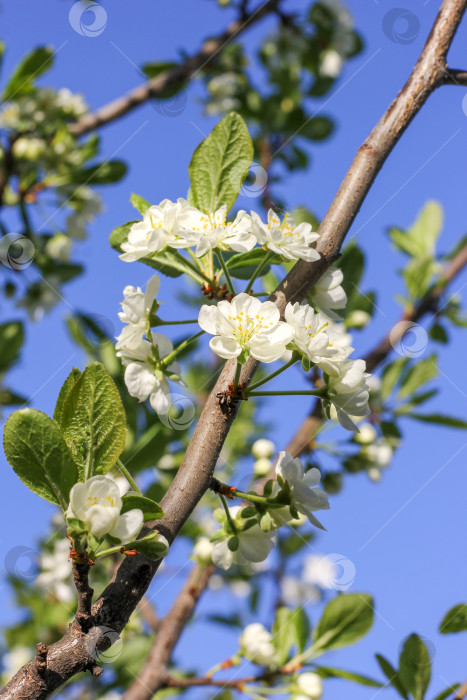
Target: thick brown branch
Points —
{"points": [[85, 593], [160, 86], [154, 674], [302, 441], [113, 609], [454, 76]]}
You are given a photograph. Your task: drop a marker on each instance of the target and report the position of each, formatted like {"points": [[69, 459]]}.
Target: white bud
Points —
{"points": [[375, 474], [202, 550], [263, 448], [311, 685], [367, 434], [262, 467], [357, 319]]}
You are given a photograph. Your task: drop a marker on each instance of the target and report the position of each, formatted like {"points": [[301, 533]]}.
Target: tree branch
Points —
{"points": [[114, 607], [302, 441], [453, 76], [154, 674], [169, 79], [85, 593]]}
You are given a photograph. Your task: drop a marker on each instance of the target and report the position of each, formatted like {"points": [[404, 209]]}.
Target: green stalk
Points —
{"points": [[128, 477], [254, 498], [159, 322], [227, 512], [317, 392], [274, 374], [168, 358], [238, 370], [199, 273], [258, 270], [225, 271]]}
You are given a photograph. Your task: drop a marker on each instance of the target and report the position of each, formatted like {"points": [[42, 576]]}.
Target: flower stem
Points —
{"points": [[238, 370], [274, 374], [159, 322], [108, 552], [255, 274], [225, 271], [317, 392], [128, 477], [166, 361], [199, 273], [227, 512], [253, 497]]}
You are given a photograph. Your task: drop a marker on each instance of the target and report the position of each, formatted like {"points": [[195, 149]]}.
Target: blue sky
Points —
{"points": [[402, 535]]}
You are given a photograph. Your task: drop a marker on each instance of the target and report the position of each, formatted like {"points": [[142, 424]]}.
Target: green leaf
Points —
{"points": [[418, 275], [420, 239], [302, 628], [30, 68], [67, 386], [391, 374], [419, 374], [243, 265], [101, 174], [327, 672], [39, 455], [93, 422], [283, 632], [415, 667], [139, 203], [446, 693], [152, 70], [303, 215], [352, 263], [120, 235], [439, 419], [345, 620], [220, 164], [11, 340], [392, 675], [150, 546], [168, 263], [438, 333], [151, 509], [455, 620]]}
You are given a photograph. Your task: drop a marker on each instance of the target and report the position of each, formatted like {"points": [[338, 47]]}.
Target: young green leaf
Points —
{"points": [[220, 164], [391, 375], [101, 174], [284, 634], [419, 374], [448, 692], [415, 667], [151, 509], [30, 68], [39, 455], [302, 628], [392, 676], [139, 203], [11, 340], [67, 386], [455, 620], [345, 620], [120, 235], [93, 422], [327, 672], [439, 419]]}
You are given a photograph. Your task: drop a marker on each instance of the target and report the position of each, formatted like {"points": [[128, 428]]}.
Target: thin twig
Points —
{"points": [[160, 86], [303, 440]]}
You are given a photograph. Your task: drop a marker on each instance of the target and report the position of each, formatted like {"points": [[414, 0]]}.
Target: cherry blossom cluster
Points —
{"points": [[179, 225]]}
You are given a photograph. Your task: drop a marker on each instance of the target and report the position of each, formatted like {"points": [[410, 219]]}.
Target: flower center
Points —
{"points": [[246, 326]]}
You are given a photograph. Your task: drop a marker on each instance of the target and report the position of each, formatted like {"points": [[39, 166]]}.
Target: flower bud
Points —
{"points": [[263, 448]]}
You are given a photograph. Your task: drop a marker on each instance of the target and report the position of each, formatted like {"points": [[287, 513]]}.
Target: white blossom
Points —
{"points": [[254, 545], [311, 685], [304, 496], [211, 230], [375, 474], [328, 294], [245, 325], [366, 435], [379, 453], [287, 239], [55, 572], [350, 392], [263, 448], [320, 570], [144, 377], [202, 551], [262, 467], [331, 64], [296, 592], [317, 337], [256, 644], [159, 228], [97, 503], [59, 247], [136, 307]]}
